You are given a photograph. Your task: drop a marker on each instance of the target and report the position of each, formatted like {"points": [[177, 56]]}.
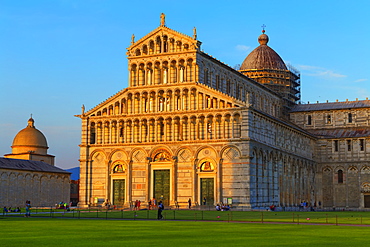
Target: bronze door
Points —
{"points": [[207, 190], [118, 191], [161, 190], [367, 201]]}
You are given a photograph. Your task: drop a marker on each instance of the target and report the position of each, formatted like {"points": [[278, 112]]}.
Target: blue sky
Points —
{"points": [[57, 55]]}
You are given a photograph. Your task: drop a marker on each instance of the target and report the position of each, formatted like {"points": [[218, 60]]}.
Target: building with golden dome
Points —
{"points": [[28, 173], [30, 144], [190, 126]]}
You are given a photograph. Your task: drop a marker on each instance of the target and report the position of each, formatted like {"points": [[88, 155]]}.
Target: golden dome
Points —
{"points": [[263, 57], [30, 139]]}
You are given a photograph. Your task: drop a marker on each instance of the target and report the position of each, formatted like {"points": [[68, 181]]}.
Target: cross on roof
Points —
{"points": [[263, 28]]}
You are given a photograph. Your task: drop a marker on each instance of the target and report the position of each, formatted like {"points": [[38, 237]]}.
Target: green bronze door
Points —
{"points": [[207, 190], [118, 192], [161, 186], [367, 201]]}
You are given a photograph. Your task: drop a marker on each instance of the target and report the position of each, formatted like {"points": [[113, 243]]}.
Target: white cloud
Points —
{"points": [[360, 80], [242, 48], [362, 93], [318, 71]]}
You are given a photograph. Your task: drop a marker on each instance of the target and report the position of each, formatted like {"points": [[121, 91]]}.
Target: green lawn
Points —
{"points": [[19, 231], [346, 217]]}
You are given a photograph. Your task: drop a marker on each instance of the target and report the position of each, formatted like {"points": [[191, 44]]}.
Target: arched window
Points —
{"points": [[92, 133], [340, 176], [137, 52]]}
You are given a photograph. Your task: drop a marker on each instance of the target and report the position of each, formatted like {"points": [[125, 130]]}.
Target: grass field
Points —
{"points": [[337, 217], [19, 231]]}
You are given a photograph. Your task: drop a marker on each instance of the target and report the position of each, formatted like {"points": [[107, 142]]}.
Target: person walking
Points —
{"points": [[160, 209], [189, 202], [28, 209]]}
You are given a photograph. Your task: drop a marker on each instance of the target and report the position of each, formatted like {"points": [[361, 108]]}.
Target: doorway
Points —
{"points": [[207, 191], [118, 192], [161, 186], [367, 201]]}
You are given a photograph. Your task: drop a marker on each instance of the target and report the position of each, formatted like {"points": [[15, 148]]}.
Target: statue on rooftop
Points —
{"points": [[163, 20]]}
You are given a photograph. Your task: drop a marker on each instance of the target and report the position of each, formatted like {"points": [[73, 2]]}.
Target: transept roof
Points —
{"points": [[331, 106]]}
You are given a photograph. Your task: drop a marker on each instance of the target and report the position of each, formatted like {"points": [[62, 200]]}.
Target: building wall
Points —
{"points": [[42, 189], [343, 147]]}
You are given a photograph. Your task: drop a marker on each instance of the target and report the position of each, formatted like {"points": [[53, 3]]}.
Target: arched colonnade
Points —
{"points": [[162, 129], [281, 179]]}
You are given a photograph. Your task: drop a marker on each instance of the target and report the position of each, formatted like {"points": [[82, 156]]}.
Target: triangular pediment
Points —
{"points": [[147, 45]]}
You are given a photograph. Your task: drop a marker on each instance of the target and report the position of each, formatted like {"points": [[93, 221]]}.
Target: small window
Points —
{"points": [[206, 76], [336, 146], [349, 145], [362, 145], [309, 120], [349, 117], [328, 119], [340, 177], [228, 87], [217, 82]]}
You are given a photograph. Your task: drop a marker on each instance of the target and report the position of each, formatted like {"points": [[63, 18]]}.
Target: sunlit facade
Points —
{"points": [[190, 126]]}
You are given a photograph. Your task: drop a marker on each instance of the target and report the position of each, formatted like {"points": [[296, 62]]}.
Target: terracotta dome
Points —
{"points": [[263, 57], [30, 139]]}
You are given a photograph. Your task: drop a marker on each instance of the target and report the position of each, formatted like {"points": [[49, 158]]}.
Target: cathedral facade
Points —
{"points": [[190, 127]]}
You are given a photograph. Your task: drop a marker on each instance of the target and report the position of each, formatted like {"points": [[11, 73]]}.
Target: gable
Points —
{"points": [[163, 40]]}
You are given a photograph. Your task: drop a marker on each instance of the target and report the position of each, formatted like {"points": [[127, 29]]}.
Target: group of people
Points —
{"points": [[222, 207], [18, 210], [63, 205], [152, 203], [204, 202], [107, 204], [137, 205], [10, 210]]}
